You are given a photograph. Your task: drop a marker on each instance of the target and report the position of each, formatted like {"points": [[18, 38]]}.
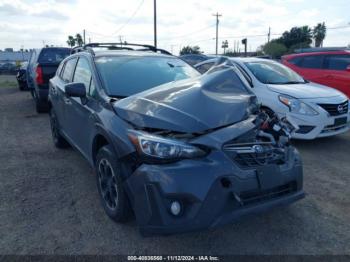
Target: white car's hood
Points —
{"points": [[307, 90]]}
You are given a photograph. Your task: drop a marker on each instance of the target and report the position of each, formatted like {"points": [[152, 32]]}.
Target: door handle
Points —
{"points": [[67, 101], [329, 76]]}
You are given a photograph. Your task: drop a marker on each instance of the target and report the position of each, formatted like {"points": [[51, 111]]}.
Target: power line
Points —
{"points": [[189, 34], [130, 18]]}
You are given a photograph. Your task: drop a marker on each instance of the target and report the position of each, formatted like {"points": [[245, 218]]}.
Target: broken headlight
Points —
{"points": [[163, 148]]}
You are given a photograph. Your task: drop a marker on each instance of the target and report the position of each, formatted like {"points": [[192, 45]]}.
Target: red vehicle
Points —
{"points": [[326, 67]]}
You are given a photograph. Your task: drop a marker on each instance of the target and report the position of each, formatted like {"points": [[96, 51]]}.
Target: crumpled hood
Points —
{"points": [[308, 90], [190, 106]]}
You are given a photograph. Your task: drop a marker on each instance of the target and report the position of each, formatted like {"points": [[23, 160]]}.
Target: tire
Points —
{"points": [[109, 183], [41, 107], [268, 111], [58, 140], [21, 86]]}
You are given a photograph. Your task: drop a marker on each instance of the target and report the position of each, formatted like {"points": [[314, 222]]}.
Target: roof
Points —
{"points": [[248, 59], [99, 53], [14, 56], [336, 52]]}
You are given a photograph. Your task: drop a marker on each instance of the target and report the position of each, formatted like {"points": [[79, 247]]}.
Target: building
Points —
{"points": [[13, 57]]}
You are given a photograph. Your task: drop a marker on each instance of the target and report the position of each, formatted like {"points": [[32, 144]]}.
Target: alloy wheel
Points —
{"points": [[108, 184]]}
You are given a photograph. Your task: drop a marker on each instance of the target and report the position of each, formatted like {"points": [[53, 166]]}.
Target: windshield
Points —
{"points": [[53, 55], [123, 76], [269, 72]]}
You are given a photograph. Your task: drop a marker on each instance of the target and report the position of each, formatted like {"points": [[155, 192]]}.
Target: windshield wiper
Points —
{"points": [[117, 97], [286, 83]]}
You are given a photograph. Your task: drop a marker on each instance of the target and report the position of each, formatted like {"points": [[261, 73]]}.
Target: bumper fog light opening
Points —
{"points": [[175, 208]]}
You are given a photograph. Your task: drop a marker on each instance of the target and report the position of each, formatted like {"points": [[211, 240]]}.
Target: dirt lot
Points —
{"points": [[49, 202]]}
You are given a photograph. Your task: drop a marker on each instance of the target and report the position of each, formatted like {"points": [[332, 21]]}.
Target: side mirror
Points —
{"points": [[348, 68], [75, 90]]}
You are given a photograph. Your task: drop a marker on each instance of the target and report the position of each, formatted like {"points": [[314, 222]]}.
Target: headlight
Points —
{"points": [[163, 148], [296, 106]]}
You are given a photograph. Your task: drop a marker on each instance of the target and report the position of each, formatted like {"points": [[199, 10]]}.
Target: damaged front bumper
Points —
{"points": [[212, 191]]}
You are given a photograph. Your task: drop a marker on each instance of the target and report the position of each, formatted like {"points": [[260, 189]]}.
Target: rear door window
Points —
{"points": [[53, 55], [69, 70], [337, 62], [59, 69], [314, 62]]}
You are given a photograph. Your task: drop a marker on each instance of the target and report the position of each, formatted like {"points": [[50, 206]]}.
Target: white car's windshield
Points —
{"points": [[270, 72]]}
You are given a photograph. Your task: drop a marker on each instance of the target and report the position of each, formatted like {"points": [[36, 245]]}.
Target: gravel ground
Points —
{"points": [[49, 202]]}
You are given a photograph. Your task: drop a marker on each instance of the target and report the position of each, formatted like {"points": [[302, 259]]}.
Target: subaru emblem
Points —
{"points": [[258, 149]]}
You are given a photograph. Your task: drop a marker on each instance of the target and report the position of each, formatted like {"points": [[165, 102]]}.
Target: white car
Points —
{"points": [[319, 111]]}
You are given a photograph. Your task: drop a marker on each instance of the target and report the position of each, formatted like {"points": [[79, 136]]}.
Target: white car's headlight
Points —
{"points": [[163, 148], [296, 106]]}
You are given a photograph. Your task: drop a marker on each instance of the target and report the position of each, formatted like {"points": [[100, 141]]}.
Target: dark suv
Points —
{"points": [[183, 151], [41, 67]]}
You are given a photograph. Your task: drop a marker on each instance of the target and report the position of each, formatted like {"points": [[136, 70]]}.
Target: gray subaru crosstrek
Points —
{"points": [[180, 150]]}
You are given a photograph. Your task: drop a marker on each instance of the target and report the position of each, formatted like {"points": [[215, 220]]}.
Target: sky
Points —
{"points": [[32, 24]]}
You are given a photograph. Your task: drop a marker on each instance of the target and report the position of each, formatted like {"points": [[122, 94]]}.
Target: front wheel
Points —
{"points": [[108, 177], [268, 111]]}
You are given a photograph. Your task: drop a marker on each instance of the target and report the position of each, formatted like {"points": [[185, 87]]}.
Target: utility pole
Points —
{"points": [[155, 23], [217, 31], [121, 40], [268, 35], [84, 36]]}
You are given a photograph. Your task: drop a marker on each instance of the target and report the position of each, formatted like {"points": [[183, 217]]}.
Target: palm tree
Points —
{"points": [[319, 34], [71, 41], [79, 39]]}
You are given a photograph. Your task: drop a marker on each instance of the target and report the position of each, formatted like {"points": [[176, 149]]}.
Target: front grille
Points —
{"points": [[250, 155], [336, 109], [253, 197]]}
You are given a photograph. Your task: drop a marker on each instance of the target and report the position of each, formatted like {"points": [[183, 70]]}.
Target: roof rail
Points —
{"points": [[117, 46], [320, 49]]}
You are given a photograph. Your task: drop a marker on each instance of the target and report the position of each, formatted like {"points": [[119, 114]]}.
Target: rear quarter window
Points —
{"points": [[295, 60], [69, 70], [53, 55]]}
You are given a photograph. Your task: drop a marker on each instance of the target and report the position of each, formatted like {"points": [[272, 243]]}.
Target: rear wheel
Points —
{"points": [[41, 107], [108, 177], [57, 138], [21, 86]]}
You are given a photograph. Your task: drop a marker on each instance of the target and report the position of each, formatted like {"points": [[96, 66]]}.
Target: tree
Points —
{"points": [[274, 49], [296, 36], [190, 50], [319, 34], [71, 41], [79, 39]]}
